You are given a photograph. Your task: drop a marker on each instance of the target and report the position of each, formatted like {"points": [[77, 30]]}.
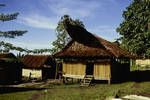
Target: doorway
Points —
{"points": [[89, 68]]}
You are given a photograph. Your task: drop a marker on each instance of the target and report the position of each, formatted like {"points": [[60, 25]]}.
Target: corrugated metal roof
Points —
{"points": [[36, 61]]}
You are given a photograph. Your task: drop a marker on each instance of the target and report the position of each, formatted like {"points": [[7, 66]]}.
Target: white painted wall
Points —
{"points": [[34, 73]]}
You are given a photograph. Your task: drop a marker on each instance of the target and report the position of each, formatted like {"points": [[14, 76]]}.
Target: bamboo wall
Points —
{"points": [[34, 73], [102, 71], [74, 70]]}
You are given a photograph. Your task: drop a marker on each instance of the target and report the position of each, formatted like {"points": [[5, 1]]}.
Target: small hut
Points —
{"points": [[87, 54], [10, 69], [38, 67], [143, 63]]}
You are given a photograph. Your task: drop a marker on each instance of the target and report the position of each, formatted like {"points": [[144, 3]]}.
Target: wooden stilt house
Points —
{"points": [[10, 69], [38, 67], [87, 54]]}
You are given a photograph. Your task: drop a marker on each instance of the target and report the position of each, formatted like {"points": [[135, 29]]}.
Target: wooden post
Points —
{"points": [[58, 61], [109, 81], [56, 70], [64, 80], [72, 80]]}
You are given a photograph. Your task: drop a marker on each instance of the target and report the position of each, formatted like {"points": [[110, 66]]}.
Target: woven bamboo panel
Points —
{"points": [[102, 71], [74, 68]]}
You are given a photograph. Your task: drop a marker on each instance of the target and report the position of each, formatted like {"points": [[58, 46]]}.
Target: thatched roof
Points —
{"points": [[85, 44], [7, 55], [36, 61], [76, 49]]}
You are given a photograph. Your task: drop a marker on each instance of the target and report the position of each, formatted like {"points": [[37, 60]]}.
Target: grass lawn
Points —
{"points": [[75, 92]]}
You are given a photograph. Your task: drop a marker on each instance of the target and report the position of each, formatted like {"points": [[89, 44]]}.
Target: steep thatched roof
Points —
{"points": [[85, 44], [36, 61], [109, 50]]}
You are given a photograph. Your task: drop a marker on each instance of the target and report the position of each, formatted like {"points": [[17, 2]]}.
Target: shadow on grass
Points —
{"points": [[133, 76], [140, 76], [4, 90]]}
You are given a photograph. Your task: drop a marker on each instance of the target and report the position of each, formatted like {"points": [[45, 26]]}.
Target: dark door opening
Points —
{"points": [[48, 73], [89, 68]]}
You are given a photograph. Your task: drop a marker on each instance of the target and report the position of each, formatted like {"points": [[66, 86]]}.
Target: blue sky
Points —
{"points": [[40, 18]]}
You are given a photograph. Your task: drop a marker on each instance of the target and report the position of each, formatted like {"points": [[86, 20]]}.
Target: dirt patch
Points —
{"points": [[135, 85], [145, 94], [35, 96]]}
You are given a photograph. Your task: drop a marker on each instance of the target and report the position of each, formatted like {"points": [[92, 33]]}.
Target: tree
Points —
{"points": [[39, 51], [134, 31], [61, 33], [5, 47]]}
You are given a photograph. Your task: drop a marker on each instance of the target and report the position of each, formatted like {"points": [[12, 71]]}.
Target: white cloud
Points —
{"points": [[38, 21], [103, 29], [80, 8], [29, 45]]}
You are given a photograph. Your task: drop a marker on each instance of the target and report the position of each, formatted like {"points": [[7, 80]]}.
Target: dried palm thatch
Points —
{"points": [[85, 44], [7, 55]]}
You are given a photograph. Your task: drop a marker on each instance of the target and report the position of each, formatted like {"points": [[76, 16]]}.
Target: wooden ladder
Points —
{"points": [[87, 80]]}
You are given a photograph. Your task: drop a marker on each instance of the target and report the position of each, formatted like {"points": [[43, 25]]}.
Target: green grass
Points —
{"points": [[75, 92], [140, 68], [17, 95]]}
